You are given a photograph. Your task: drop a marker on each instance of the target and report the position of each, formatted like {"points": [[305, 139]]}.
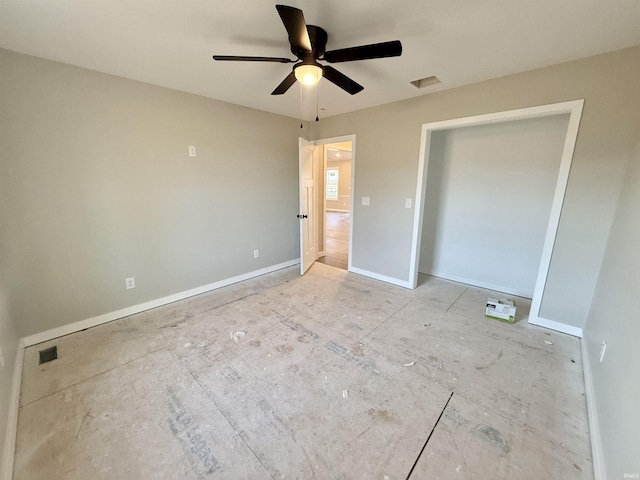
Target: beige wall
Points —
{"points": [[97, 186], [609, 85], [489, 194], [614, 318], [344, 185]]}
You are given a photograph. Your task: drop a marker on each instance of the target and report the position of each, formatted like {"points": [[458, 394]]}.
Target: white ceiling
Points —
{"points": [[170, 42], [338, 151]]}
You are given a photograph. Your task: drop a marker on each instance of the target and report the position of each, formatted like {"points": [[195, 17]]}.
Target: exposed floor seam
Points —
{"points": [[229, 422], [94, 376], [385, 320], [454, 302], [250, 449], [226, 303], [429, 437]]}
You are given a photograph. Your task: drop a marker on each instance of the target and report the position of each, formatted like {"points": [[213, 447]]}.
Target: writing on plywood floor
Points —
{"points": [[328, 375]]}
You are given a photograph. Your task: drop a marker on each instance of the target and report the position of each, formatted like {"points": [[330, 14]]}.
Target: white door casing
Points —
{"points": [[574, 109], [306, 214], [352, 213]]}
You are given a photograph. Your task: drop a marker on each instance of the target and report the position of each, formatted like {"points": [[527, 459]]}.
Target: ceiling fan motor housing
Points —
{"points": [[318, 37]]}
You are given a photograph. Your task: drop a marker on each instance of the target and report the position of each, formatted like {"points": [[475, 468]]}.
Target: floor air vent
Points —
{"points": [[48, 354]]}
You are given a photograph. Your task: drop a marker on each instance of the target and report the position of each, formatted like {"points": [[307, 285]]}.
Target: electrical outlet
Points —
{"points": [[1, 359], [192, 151], [407, 203], [256, 253], [130, 283], [365, 201], [603, 348]]}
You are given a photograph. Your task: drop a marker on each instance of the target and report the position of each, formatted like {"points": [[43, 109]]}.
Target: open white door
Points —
{"points": [[308, 253]]}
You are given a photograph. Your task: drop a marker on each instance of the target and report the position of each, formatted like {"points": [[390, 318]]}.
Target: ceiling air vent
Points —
{"points": [[425, 82]]}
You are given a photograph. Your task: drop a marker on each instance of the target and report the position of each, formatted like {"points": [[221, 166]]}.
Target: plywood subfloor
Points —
{"points": [[327, 376], [337, 240]]}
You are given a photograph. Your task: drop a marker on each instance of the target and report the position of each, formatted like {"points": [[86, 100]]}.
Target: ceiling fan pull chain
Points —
{"points": [[317, 103], [300, 105]]}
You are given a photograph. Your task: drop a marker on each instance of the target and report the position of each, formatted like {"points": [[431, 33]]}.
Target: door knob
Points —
{"points": [[301, 216]]}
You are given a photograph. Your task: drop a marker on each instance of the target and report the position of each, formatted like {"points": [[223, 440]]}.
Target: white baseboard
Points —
{"points": [[479, 283], [125, 312], [541, 322], [599, 471], [382, 278], [8, 454], [557, 326]]}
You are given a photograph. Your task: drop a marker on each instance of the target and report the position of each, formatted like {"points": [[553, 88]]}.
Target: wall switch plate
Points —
{"points": [[130, 283], [1, 359], [407, 203], [192, 151], [365, 201], [603, 348], [256, 253]]}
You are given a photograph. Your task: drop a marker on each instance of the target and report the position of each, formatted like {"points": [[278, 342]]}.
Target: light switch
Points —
{"points": [[365, 201], [407, 203], [192, 151]]}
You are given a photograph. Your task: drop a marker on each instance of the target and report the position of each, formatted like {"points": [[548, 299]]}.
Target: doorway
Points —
{"points": [[326, 231], [336, 216], [574, 110], [489, 193]]}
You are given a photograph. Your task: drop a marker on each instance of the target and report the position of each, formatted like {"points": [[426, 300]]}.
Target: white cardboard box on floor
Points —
{"points": [[501, 309]]}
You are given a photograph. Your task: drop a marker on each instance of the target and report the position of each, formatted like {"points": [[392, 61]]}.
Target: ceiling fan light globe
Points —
{"points": [[308, 74]]}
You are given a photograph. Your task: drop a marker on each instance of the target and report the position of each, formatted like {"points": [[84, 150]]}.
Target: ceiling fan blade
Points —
{"points": [[293, 20], [341, 80], [234, 58], [285, 85], [365, 52]]}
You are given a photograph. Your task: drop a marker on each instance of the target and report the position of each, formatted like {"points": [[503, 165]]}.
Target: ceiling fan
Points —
{"points": [[308, 44]]}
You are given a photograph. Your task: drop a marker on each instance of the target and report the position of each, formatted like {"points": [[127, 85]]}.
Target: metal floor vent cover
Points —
{"points": [[48, 354]]}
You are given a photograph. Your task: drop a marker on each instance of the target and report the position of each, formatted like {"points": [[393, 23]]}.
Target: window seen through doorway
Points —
{"points": [[332, 184]]}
